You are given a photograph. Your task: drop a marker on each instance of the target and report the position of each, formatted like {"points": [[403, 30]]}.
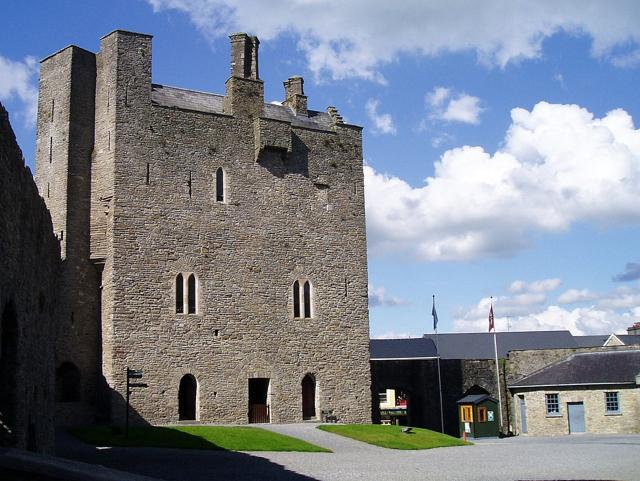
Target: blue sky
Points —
{"points": [[500, 139]]}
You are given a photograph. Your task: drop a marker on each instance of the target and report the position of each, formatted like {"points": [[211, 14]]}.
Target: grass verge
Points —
{"points": [[229, 438], [392, 436]]}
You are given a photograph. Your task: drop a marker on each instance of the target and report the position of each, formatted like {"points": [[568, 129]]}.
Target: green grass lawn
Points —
{"points": [[230, 438], [392, 436]]}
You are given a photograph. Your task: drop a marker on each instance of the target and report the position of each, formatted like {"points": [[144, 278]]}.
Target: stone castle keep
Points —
{"points": [[215, 242]]}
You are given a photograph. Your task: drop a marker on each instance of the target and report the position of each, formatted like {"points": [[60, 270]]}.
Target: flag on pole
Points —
{"points": [[491, 324], [434, 314]]}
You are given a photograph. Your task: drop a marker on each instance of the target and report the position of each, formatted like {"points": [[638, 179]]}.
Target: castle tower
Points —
{"points": [[64, 146], [219, 242]]}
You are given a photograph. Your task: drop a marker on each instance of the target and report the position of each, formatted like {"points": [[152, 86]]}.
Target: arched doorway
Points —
{"points": [[308, 397], [187, 395], [67, 383]]}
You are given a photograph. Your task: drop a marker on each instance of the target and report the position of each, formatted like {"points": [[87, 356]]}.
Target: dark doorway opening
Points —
{"points": [[308, 397], [67, 383], [8, 366], [259, 400], [187, 398]]}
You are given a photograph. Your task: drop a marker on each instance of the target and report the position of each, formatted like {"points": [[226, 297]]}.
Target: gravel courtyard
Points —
{"points": [[583, 457]]}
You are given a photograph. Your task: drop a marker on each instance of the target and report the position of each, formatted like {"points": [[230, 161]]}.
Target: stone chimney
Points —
{"points": [[294, 95], [245, 90], [244, 56]]}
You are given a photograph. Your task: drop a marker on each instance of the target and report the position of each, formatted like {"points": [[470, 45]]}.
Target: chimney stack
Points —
{"points": [[294, 95], [244, 56], [245, 90]]}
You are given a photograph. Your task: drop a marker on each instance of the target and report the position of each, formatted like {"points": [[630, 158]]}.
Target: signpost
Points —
{"points": [[132, 374]]}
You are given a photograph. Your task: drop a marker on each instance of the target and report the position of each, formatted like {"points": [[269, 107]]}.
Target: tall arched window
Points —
{"points": [[219, 185], [307, 299], [179, 294], [186, 290], [296, 299], [302, 299], [191, 294]]}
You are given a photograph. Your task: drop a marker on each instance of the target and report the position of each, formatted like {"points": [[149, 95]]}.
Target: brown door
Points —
{"points": [[308, 397]]}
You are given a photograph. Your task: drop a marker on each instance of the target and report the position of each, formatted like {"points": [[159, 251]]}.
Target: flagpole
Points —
{"points": [[495, 350], [435, 326]]}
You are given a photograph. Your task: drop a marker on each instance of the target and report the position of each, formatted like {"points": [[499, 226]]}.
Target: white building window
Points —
{"points": [[553, 404], [612, 402]]}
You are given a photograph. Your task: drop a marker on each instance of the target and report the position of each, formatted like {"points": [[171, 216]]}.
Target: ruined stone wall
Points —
{"points": [[30, 256]]}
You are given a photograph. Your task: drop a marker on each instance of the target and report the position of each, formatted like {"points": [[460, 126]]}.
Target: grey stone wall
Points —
{"points": [[293, 209], [30, 256], [63, 175]]}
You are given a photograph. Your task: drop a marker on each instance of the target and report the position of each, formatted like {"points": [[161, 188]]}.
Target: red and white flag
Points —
{"points": [[491, 324]]}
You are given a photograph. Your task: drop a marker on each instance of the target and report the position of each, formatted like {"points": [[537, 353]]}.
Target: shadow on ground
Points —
{"points": [[179, 464]]}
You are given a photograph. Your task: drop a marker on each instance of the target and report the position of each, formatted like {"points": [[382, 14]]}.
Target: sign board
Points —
{"points": [[131, 374], [490, 416], [467, 428], [394, 412]]}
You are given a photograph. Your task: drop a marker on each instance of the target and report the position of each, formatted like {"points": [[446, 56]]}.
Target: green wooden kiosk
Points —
{"points": [[478, 416]]}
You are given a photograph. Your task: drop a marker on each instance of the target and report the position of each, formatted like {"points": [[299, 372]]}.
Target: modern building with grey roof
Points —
{"points": [[595, 392]]}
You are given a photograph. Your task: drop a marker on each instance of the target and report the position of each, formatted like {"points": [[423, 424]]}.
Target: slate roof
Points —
{"points": [[479, 345], [600, 339], [629, 339], [212, 103], [475, 399], [592, 341], [613, 367], [398, 349]]}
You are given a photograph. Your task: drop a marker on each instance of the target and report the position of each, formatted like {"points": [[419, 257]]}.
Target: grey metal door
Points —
{"points": [[523, 415], [576, 417]]}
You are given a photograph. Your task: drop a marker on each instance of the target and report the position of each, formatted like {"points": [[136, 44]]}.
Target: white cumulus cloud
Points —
{"points": [[444, 105], [543, 285], [379, 297], [382, 123], [358, 37], [18, 80], [577, 295], [558, 165], [613, 313]]}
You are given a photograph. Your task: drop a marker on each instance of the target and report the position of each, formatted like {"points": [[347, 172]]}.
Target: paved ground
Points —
{"points": [[582, 457]]}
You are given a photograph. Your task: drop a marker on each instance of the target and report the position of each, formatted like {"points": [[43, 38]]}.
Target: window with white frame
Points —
{"points": [[553, 404], [186, 293], [612, 402], [302, 299]]}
